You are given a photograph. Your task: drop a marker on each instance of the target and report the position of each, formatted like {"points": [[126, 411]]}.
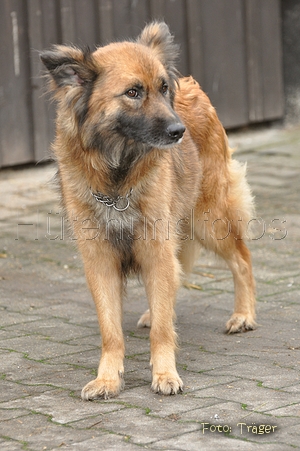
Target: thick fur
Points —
{"points": [[128, 126]]}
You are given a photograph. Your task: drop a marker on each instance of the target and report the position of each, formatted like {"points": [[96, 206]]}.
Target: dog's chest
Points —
{"points": [[118, 221], [119, 228]]}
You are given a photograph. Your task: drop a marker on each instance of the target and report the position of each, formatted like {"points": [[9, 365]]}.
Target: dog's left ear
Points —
{"points": [[157, 36]]}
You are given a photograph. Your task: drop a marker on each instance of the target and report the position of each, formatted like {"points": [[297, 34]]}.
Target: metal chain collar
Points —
{"points": [[119, 203]]}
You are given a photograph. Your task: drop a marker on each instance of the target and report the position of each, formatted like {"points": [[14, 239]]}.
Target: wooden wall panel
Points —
{"points": [[272, 71], [44, 30], [195, 40], [173, 12], [264, 60], [224, 59], [16, 124]]}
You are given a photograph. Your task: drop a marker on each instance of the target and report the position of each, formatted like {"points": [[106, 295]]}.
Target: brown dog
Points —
{"points": [[145, 168]]}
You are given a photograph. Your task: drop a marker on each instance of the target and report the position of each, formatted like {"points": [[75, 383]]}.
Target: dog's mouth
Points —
{"points": [[167, 137], [165, 144]]}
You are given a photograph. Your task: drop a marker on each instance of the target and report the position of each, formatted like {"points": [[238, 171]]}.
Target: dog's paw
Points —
{"points": [[144, 320], [167, 383], [102, 388], [240, 323]]}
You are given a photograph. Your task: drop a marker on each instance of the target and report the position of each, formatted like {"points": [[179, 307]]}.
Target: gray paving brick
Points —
{"points": [[39, 432], [61, 407], [107, 442], [144, 429], [270, 375], [195, 440], [251, 395]]}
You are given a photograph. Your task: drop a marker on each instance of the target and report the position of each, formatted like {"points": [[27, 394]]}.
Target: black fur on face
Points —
{"points": [[119, 152], [153, 132], [125, 138]]}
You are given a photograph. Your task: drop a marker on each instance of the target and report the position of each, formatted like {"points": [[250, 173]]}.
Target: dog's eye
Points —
{"points": [[164, 88], [132, 93]]}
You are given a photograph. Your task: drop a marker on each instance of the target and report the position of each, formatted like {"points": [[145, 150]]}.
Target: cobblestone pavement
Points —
{"points": [[242, 392]]}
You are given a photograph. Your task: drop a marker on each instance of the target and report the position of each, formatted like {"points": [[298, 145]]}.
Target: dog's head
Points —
{"points": [[122, 92]]}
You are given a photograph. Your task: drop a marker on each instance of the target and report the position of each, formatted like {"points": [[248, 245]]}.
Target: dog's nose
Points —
{"points": [[175, 131]]}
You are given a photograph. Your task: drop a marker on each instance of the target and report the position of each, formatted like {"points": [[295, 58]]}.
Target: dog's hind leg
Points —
{"points": [[145, 319], [239, 261], [234, 251]]}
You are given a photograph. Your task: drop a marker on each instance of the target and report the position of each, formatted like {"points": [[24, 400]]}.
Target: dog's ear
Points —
{"points": [[157, 36], [69, 66]]}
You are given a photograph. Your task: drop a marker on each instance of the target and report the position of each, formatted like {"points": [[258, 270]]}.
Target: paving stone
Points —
{"points": [[162, 406], [242, 423], [194, 441], [11, 446], [61, 407], [270, 375], [107, 442], [144, 429], [37, 348], [15, 390], [11, 412], [38, 432], [252, 395], [292, 410], [53, 329]]}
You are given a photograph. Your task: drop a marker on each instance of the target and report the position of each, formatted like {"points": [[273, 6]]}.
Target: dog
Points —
{"points": [[145, 169]]}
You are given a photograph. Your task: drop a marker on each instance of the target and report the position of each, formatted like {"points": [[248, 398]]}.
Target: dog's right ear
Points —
{"points": [[157, 36], [69, 66]]}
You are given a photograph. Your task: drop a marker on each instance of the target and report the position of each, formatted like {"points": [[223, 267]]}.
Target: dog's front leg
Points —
{"points": [[161, 275], [105, 281]]}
